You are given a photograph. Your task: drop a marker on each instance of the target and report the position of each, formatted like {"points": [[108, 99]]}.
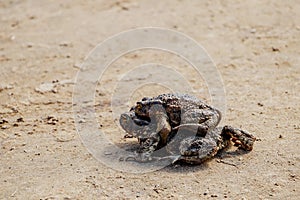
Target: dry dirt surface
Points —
{"points": [[255, 46]]}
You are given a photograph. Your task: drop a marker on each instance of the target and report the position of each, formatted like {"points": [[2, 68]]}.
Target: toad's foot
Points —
{"points": [[239, 137]]}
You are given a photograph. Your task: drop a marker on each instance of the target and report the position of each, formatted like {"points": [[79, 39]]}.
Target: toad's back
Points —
{"points": [[177, 104]]}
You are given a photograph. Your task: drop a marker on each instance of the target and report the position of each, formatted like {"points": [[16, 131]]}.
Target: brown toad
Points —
{"points": [[185, 125]]}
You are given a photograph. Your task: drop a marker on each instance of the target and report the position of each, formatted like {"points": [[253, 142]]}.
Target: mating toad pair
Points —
{"points": [[184, 126]]}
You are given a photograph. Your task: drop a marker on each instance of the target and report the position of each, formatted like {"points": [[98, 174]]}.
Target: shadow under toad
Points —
{"points": [[226, 156]]}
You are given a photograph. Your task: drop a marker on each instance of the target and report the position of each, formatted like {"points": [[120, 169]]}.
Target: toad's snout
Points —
{"points": [[125, 120]]}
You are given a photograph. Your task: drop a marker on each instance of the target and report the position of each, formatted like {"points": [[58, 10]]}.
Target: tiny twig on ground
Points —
{"points": [[227, 163]]}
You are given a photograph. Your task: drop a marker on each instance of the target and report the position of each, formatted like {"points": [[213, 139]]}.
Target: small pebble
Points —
{"points": [[260, 104], [107, 153], [253, 30], [46, 87], [4, 127], [81, 121], [3, 121], [292, 175], [20, 119], [77, 65]]}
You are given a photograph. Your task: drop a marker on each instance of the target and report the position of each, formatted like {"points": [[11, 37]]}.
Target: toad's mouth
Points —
{"points": [[130, 122], [142, 120]]}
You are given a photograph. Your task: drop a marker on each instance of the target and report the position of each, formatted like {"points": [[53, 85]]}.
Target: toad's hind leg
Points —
{"points": [[239, 137], [196, 150]]}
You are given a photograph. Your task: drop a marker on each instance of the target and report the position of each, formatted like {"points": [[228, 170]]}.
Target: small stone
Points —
{"points": [[18, 134], [107, 153], [32, 17], [46, 87], [52, 120], [29, 45], [280, 136], [65, 44], [296, 126], [292, 175], [3, 121], [12, 37], [5, 87], [20, 119], [81, 121], [77, 66], [253, 30], [275, 49], [260, 104], [15, 110], [4, 127]]}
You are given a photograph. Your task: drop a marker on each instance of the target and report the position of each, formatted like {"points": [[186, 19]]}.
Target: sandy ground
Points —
{"points": [[255, 46]]}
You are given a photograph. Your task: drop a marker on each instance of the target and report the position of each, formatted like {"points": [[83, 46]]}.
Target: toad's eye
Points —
{"points": [[139, 106], [145, 98]]}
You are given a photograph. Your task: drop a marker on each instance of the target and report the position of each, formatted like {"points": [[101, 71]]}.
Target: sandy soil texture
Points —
{"points": [[254, 44]]}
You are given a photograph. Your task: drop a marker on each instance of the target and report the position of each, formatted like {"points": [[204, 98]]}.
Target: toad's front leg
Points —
{"points": [[147, 147], [157, 137]]}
